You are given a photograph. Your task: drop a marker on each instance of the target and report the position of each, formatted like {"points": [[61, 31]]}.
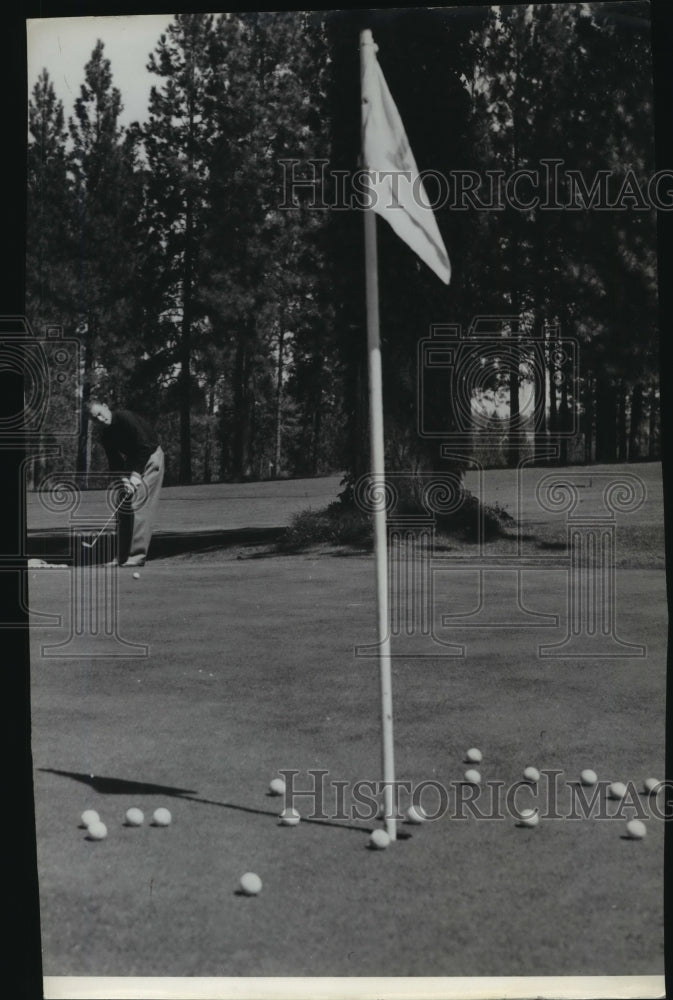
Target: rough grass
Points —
{"points": [[342, 528], [342, 523]]}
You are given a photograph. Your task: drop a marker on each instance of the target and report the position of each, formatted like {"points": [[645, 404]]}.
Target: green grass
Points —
{"points": [[252, 669]]}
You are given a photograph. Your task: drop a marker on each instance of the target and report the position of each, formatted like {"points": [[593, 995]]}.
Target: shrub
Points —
{"points": [[343, 523]]}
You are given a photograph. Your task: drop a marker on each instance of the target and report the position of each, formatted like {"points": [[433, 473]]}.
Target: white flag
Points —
{"points": [[400, 199]]}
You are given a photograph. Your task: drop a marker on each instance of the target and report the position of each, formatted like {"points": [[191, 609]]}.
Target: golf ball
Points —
{"points": [[136, 576], [472, 777], [415, 814], [97, 830], [134, 817], [89, 816], [528, 817], [636, 829], [473, 756], [161, 817], [588, 777], [289, 817], [379, 840], [250, 884], [651, 786], [277, 787], [531, 774], [617, 790]]}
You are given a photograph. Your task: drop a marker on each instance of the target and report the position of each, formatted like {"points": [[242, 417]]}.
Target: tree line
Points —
{"points": [[234, 318]]}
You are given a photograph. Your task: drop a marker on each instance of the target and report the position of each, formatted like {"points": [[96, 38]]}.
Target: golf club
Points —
{"points": [[90, 545]]}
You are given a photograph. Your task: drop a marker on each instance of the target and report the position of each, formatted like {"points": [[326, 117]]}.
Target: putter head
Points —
{"points": [[87, 545]]}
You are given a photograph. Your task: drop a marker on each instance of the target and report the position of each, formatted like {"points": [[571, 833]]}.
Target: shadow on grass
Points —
{"points": [[166, 544], [121, 786], [57, 542], [266, 812], [310, 533]]}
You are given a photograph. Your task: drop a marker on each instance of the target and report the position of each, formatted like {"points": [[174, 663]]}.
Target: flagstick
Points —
{"points": [[378, 474]]}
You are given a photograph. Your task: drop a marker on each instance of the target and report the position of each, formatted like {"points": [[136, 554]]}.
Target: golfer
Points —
{"points": [[134, 454]]}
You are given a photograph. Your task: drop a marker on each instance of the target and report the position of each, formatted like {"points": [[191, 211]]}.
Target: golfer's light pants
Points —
{"points": [[137, 518]]}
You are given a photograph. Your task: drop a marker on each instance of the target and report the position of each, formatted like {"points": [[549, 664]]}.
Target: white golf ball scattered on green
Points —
{"points": [[474, 756], [472, 777], [651, 785], [136, 576], [415, 814], [134, 817], [97, 830], [528, 817], [89, 816], [617, 790], [636, 829], [161, 817], [277, 787], [289, 817], [588, 777], [531, 774], [379, 840], [250, 884]]}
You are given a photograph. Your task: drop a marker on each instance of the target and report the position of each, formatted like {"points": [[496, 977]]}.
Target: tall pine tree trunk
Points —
{"points": [[514, 449], [540, 409], [241, 429], [636, 421], [316, 443], [316, 412], [588, 419], [279, 404], [622, 438], [652, 449], [208, 446], [184, 384], [86, 374], [514, 446], [553, 404], [606, 420], [224, 434], [185, 377], [564, 414], [356, 459]]}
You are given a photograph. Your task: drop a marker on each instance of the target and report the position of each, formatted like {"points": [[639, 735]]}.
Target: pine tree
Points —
{"points": [[267, 293], [101, 261], [48, 284], [176, 139]]}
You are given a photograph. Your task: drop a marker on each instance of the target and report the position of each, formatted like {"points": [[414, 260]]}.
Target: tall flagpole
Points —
{"points": [[367, 50]]}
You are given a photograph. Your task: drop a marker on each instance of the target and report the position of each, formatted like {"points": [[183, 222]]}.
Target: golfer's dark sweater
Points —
{"points": [[128, 441]]}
